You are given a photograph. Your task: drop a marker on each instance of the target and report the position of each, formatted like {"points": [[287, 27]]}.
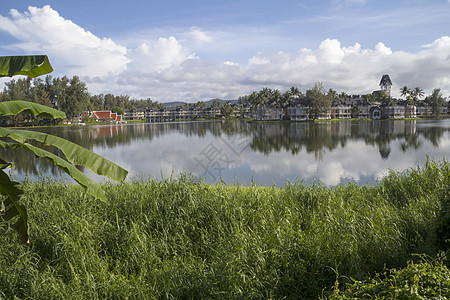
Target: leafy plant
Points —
{"points": [[28, 65], [12, 138], [422, 280]]}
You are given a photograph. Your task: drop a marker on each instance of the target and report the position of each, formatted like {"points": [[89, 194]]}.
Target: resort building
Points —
{"points": [[377, 106], [106, 115], [385, 84]]}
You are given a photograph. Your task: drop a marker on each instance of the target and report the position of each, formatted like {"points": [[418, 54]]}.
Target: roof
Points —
{"points": [[385, 80], [103, 115], [106, 115]]}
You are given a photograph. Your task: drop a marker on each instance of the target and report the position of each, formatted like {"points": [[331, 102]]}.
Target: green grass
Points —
{"points": [[183, 239], [137, 121], [427, 279]]}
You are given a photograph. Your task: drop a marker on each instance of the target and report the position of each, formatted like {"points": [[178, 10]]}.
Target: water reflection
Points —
{"points": [[263, 153]]}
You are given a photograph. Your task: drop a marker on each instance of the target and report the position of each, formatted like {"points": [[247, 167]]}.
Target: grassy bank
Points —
{"points": [[180, 239]]}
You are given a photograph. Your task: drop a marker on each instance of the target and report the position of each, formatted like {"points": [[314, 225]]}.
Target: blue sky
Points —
{"points": [[198, 50]]}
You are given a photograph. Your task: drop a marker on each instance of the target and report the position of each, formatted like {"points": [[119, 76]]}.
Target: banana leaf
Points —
{"points": [[83, 180], [33, 66], [73, 153], [11, 207], [28, 65], [12, 108]]}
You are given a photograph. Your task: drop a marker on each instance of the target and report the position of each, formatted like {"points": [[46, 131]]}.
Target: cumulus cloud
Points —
{"points": [[167, 68], [160, 55], [352, 69], [43, 30], [198, 35]]}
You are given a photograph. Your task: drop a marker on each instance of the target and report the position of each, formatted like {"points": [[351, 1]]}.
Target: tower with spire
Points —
{"points": [[385, 84]]}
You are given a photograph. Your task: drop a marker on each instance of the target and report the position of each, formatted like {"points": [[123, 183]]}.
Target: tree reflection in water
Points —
{"points": [[318, 138]]}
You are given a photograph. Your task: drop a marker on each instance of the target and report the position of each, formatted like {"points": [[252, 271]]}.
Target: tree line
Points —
{"points": [[71, 96], [318, 100]]}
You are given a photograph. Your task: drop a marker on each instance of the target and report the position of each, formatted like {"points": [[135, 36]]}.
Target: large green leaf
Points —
{"points": [[34, 66], [28, 65], [74, 153], [11, 207], [12, 108], [82, 179]]}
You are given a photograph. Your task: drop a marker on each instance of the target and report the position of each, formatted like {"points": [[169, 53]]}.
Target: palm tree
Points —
{"points": [[200, 105], [404, 91], [344, 96], [370, 98], [385, 100], [253, 100], [287, 99], [417, 94], [334, 97], [264, 96], [275, 100], [295, 92]]}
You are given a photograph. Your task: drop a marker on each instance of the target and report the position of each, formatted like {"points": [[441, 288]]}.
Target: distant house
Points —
{"points": [[298, 113], [106, 115], [269, 113], [341, 112], [393, 112], [363, 112], [133, 114]]}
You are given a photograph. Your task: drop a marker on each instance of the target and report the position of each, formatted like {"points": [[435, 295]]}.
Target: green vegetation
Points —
{"points": [[317, 101], [183, 239], [423, 280], [11, 210], [436, 101], [74, 155], [69, 95]]}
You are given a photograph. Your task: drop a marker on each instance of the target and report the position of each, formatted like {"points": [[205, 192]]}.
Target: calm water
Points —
{"points": [[263, 153]]}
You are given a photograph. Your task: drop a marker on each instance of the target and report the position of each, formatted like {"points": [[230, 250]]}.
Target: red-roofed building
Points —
{"points": [[106, 115]]}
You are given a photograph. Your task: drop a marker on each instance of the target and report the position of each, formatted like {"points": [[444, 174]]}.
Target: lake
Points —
{"points": [[331, 152]]}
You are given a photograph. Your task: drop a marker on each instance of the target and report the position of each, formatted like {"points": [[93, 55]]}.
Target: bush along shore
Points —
{"points": [[184, 239]]}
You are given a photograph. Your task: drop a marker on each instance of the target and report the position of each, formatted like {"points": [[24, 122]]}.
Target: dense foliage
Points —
{"points": [[12, 212], [183, 239], [427, 279], [72, 97], [68, 95]]}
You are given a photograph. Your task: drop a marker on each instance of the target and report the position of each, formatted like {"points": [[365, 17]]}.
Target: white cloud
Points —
{"points": [[198, 35], [382, 49], [43, 30], [167, 68], [330, 52], [157, 56], [344, 68], [230, 63]]}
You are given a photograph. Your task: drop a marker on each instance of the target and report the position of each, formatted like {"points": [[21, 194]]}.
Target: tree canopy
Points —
{"points": [[317, 101]]}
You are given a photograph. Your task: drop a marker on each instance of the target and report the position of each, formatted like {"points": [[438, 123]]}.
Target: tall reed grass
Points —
{"points": [[184, 239]]}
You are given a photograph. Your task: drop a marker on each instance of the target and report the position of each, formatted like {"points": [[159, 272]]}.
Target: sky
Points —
{"points": [[197, 50]]}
